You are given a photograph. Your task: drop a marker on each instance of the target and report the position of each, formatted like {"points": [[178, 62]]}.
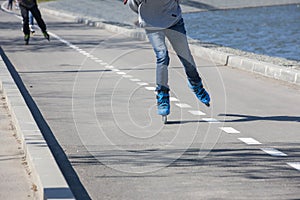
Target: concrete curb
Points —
{"points": [[49, 180], [221, 58]]}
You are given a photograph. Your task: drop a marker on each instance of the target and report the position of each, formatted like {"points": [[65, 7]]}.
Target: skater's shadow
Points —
{"points": [[247, 118], [183, 121]]}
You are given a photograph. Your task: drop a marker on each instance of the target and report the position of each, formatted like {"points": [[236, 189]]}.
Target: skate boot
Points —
{"points": [[163, 102], [31, 29], [26, 39], [46, 35], [201, 93]]}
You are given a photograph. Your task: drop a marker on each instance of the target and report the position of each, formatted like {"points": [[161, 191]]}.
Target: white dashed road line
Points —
{"points": [[250, 141], [196, 112], [173, 99], [150, 88], [295, 165], [273, 152], [183, 105], [121, 73], [135, 80], [142, 83], [229, 130], [211, 120]]}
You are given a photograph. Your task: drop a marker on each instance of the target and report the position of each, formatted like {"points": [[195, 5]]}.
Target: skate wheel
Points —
{"points": [[165, 119], [207, 104]]}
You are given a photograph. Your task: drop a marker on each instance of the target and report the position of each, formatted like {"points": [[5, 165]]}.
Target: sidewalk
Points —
{"points": [[16, 182]]}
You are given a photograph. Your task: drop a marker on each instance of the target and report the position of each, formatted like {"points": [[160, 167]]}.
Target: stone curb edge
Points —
{"points": [[47, 176], [218, 57]]}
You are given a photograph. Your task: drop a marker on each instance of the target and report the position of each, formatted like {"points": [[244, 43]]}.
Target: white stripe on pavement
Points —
{"points": [[196, 112], [183, 105], [173, 99], [211, 120], [229, 130], [135, 80], [295, 165], [273, 152], [127, 76], [142, 83], [150, 88], [249, 141]]}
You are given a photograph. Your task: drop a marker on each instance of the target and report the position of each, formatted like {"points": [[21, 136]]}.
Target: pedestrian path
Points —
{"points": [[16, 182]]}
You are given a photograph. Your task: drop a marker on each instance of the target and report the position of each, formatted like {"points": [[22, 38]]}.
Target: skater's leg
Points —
{"points": [[26, 31], [177, 37], [157, 39], [38, 17]]}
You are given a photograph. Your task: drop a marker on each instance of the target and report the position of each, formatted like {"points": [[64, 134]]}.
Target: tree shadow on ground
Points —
{"points": [[248, 118]]}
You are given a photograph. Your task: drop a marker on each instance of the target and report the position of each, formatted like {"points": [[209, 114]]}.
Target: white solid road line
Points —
{"points": [[249, 141], [273, 152]]}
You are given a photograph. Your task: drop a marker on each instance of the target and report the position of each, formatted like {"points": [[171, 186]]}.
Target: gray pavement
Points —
{"points": [[93, 90], [16, 182]]}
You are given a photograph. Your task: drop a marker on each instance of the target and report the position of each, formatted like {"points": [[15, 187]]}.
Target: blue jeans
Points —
{"points": [[31, 22], [176, 34]]}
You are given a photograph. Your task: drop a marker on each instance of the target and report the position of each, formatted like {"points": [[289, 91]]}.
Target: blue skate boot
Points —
{"points": [[201, 93], [163, 103]]}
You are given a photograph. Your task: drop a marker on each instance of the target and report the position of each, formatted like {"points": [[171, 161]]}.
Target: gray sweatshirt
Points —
{"points": [[156, 14]]}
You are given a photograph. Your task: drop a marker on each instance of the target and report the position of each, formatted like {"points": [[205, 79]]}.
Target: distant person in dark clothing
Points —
{"points": [[25, 7], [10, 4]]}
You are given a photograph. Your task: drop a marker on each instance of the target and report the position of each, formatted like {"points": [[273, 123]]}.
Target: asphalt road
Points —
{"points": [[91, 92]]}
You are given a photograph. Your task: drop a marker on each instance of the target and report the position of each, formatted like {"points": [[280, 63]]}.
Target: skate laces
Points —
{"points": [[162, 98], [201, 93]]}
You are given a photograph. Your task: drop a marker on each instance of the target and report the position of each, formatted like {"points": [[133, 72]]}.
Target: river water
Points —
{"points": [[272, 31]]}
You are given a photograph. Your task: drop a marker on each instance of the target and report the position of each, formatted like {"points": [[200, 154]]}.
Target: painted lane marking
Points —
{"points": [[183, 105], [109, 67], [142, 83], [115, 70], [250, 141], [295, 165], [273, 152], [135, 79], [150, 88], [229, 130], [196, 112], [127, 76], [121, 73], [211, 120], [173, 99]]}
